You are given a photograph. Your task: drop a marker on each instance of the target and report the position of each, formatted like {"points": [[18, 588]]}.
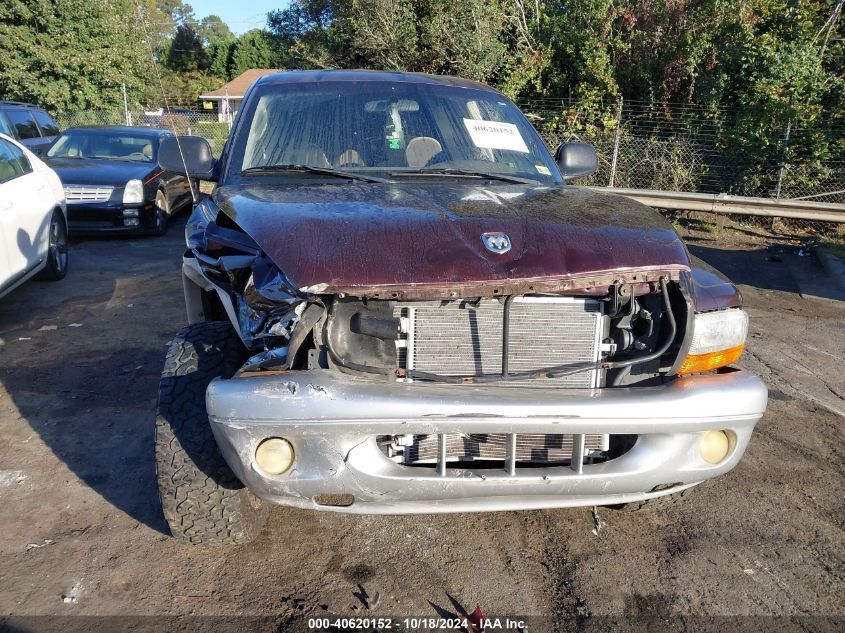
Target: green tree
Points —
{"points": [[72, 54], [183, 88], [186, 52], [412, 35], [462, 38], [380, 34], [178, 11], [307, 33], [220, 57], [213, 29], [253, 49], [565, 49]]}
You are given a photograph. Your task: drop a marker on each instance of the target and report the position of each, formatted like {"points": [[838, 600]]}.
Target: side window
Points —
{"points": [[23, 123], [13, 162], [160, 139], [46, 123], [5, 128], [7, 168]]}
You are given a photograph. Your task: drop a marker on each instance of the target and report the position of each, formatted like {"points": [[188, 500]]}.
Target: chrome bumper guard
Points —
{"points": [[333, 419]]}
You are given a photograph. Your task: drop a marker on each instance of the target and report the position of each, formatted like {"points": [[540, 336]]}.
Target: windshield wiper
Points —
{"points": [[452, 171], [326, 171]]}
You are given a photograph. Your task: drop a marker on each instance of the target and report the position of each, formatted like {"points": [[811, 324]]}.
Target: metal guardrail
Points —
{"points": [[740, 205]]}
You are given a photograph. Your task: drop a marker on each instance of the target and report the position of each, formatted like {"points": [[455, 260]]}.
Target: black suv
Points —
{"points": [[28, 124]]}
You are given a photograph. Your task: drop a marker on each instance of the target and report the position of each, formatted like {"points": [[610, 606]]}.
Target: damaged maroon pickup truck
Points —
{"points": [[397, 305]]}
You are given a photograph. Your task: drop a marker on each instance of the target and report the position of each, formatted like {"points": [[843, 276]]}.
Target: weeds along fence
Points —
{"points": [[661, 146], [698, 149]]}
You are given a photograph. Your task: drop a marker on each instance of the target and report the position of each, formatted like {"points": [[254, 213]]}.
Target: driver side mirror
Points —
{"points": [[187, 155], [576, 160]]}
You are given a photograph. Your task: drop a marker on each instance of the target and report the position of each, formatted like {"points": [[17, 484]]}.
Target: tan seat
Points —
{"points": [[350, 158], [310, 155], [420, 150]]}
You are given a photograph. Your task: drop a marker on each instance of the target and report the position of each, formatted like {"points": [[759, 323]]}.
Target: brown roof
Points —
{"points": [[238, 86]]}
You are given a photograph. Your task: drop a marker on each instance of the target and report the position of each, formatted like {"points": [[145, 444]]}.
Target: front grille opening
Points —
{"points": [[483, 451], [87, 193]]}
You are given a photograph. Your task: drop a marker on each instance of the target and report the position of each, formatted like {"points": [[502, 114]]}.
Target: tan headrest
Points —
{"points": [[420, 150]]}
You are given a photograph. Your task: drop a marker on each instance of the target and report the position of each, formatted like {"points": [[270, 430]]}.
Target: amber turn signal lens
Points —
{"points": [[696, 363]]}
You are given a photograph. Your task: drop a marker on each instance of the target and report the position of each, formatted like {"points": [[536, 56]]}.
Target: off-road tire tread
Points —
{"points": [[203, 501]]}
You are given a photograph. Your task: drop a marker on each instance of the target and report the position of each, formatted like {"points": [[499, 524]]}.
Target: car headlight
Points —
{"points": [[718, 339], [133, 193]]}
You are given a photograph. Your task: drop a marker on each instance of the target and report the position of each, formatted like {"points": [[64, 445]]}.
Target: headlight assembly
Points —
{"points": [[133, 193], [718, 339]]}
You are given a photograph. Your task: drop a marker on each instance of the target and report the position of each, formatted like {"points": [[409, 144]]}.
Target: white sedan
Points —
{"points": [[33, 218]]}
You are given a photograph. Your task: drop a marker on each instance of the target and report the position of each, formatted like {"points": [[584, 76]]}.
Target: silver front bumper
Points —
{"points": [[333, 419]]}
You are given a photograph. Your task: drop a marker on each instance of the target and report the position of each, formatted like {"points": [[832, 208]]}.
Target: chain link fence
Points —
{"points": [[182, 121], [639, 145], [673, 147]]}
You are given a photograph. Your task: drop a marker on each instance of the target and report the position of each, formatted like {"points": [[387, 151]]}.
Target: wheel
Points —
{"points": [[658, 503], [56, 267], [203, 501], [161, 214]]}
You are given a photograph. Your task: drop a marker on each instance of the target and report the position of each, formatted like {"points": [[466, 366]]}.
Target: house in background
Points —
{"points": [[226, 100]]}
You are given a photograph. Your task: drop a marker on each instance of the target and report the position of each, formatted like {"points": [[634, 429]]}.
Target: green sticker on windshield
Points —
{"points": [[394, 143]]}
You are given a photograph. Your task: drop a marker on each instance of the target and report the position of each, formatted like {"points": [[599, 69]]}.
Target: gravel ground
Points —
{"points": [[83, 535]]}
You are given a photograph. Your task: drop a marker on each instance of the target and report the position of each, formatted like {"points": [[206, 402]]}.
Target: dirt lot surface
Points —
{"points": [[82, 531]]}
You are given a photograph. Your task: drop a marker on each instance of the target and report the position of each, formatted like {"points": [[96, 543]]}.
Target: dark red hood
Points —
{"points": [[348, 236]]}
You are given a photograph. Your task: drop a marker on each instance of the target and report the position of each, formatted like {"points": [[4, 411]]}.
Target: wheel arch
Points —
{"points": [[62, 212], [203, 301], [160, 188]]}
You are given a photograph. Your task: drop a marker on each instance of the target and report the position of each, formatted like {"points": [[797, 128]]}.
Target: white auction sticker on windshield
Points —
{"points": [[495, 135]]}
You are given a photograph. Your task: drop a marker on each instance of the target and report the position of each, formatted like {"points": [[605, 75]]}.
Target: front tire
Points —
{"points": [[203, 501], [57, 257], [161, 214]]}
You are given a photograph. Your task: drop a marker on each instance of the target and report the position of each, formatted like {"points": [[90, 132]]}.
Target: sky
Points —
{"points": [[240, 16]]}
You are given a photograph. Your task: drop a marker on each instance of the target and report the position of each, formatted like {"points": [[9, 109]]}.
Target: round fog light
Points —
{"points": [[714, 446], [274, 456]]}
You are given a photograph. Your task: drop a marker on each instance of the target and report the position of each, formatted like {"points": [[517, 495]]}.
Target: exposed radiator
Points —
{"points": [[465, 338], [87, 193]]}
